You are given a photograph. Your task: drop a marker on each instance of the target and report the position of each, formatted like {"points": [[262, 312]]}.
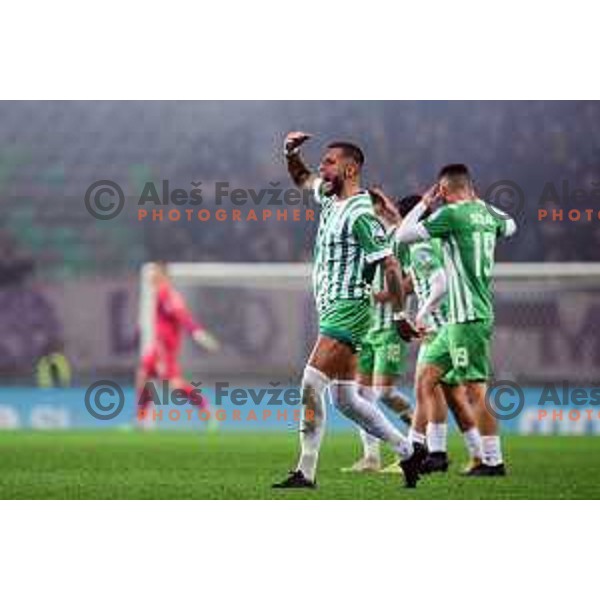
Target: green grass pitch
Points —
{"points": [[136, 465]]}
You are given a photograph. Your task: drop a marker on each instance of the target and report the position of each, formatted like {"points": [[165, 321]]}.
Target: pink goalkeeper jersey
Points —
{"points": [[171, 317]]}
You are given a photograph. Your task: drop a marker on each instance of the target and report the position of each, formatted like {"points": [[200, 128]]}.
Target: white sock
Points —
{"points": [[314, 385], [368, 416], [473, 443], [437, 437], [492, 453], [371, 445], [415, 436]]}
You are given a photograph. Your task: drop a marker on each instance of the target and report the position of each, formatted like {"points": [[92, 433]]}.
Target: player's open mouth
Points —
{"points": [[328, 187]]}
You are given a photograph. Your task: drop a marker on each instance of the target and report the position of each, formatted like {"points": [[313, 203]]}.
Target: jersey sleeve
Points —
{"points": [[184, 316], [440, 223], [506, 226], [371, 237]]}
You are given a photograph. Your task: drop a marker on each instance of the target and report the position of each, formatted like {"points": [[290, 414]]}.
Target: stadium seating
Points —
{"points": [[51, 152]]}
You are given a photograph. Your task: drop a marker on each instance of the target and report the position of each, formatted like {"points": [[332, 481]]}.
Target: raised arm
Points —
{"points": [[411, 229], [301, 175]]}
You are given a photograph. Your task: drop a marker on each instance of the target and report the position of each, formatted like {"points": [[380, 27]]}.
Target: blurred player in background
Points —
{"points": [[425, 264], [468, 229], [161, 359], [383, 353], [350, 243]]}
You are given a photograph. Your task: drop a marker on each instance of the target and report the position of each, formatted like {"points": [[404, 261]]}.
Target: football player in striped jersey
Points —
{"points": [[350, 244], [383, 353]]}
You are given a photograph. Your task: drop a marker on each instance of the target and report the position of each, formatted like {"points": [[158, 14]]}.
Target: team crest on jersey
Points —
{"points": [[423, 257]]}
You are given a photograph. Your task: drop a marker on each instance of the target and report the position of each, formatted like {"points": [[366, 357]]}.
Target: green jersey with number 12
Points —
{"points": [[468, 230]]}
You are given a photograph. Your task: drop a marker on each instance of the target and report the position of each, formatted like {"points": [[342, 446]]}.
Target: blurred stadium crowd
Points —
{"points": [[50, 152]]}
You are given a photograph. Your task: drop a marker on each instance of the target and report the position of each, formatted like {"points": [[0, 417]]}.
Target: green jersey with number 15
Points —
{"points": [[468, 230]]}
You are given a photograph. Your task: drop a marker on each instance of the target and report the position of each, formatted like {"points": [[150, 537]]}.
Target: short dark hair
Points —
{"points": [[351, 151], [457, 173], [406, 204]]}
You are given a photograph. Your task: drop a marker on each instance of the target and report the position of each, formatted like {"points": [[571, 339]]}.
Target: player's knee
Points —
{"points": [[368, 392], [343, 394], [314, 387], [314, 380], [421, 386], [427, 378]]}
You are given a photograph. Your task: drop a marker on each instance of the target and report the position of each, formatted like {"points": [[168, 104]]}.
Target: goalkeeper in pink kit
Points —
{"points": [[161, 359]]}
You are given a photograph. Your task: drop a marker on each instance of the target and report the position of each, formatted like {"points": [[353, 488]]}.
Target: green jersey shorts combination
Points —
{"points": [[468, 231], [383, 351], [350, 241]]}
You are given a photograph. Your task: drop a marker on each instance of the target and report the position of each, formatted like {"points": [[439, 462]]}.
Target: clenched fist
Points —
{"points": [[293, 141]]}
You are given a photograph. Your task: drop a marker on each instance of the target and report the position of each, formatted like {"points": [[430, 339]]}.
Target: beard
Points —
{"points": [[332, 187]]}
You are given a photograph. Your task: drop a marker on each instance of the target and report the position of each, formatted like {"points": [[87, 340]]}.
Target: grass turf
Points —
{"points": [[135, 465]]}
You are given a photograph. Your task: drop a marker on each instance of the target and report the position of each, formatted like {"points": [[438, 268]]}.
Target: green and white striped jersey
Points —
{"points": [[350, 240], [424, 259], [468, 231], [382, 311]]}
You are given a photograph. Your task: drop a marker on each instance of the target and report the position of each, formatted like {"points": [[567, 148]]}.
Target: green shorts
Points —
{"points": [[383, 353], [471, 350], [347, 321], [461, 350], [435, 350]]}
